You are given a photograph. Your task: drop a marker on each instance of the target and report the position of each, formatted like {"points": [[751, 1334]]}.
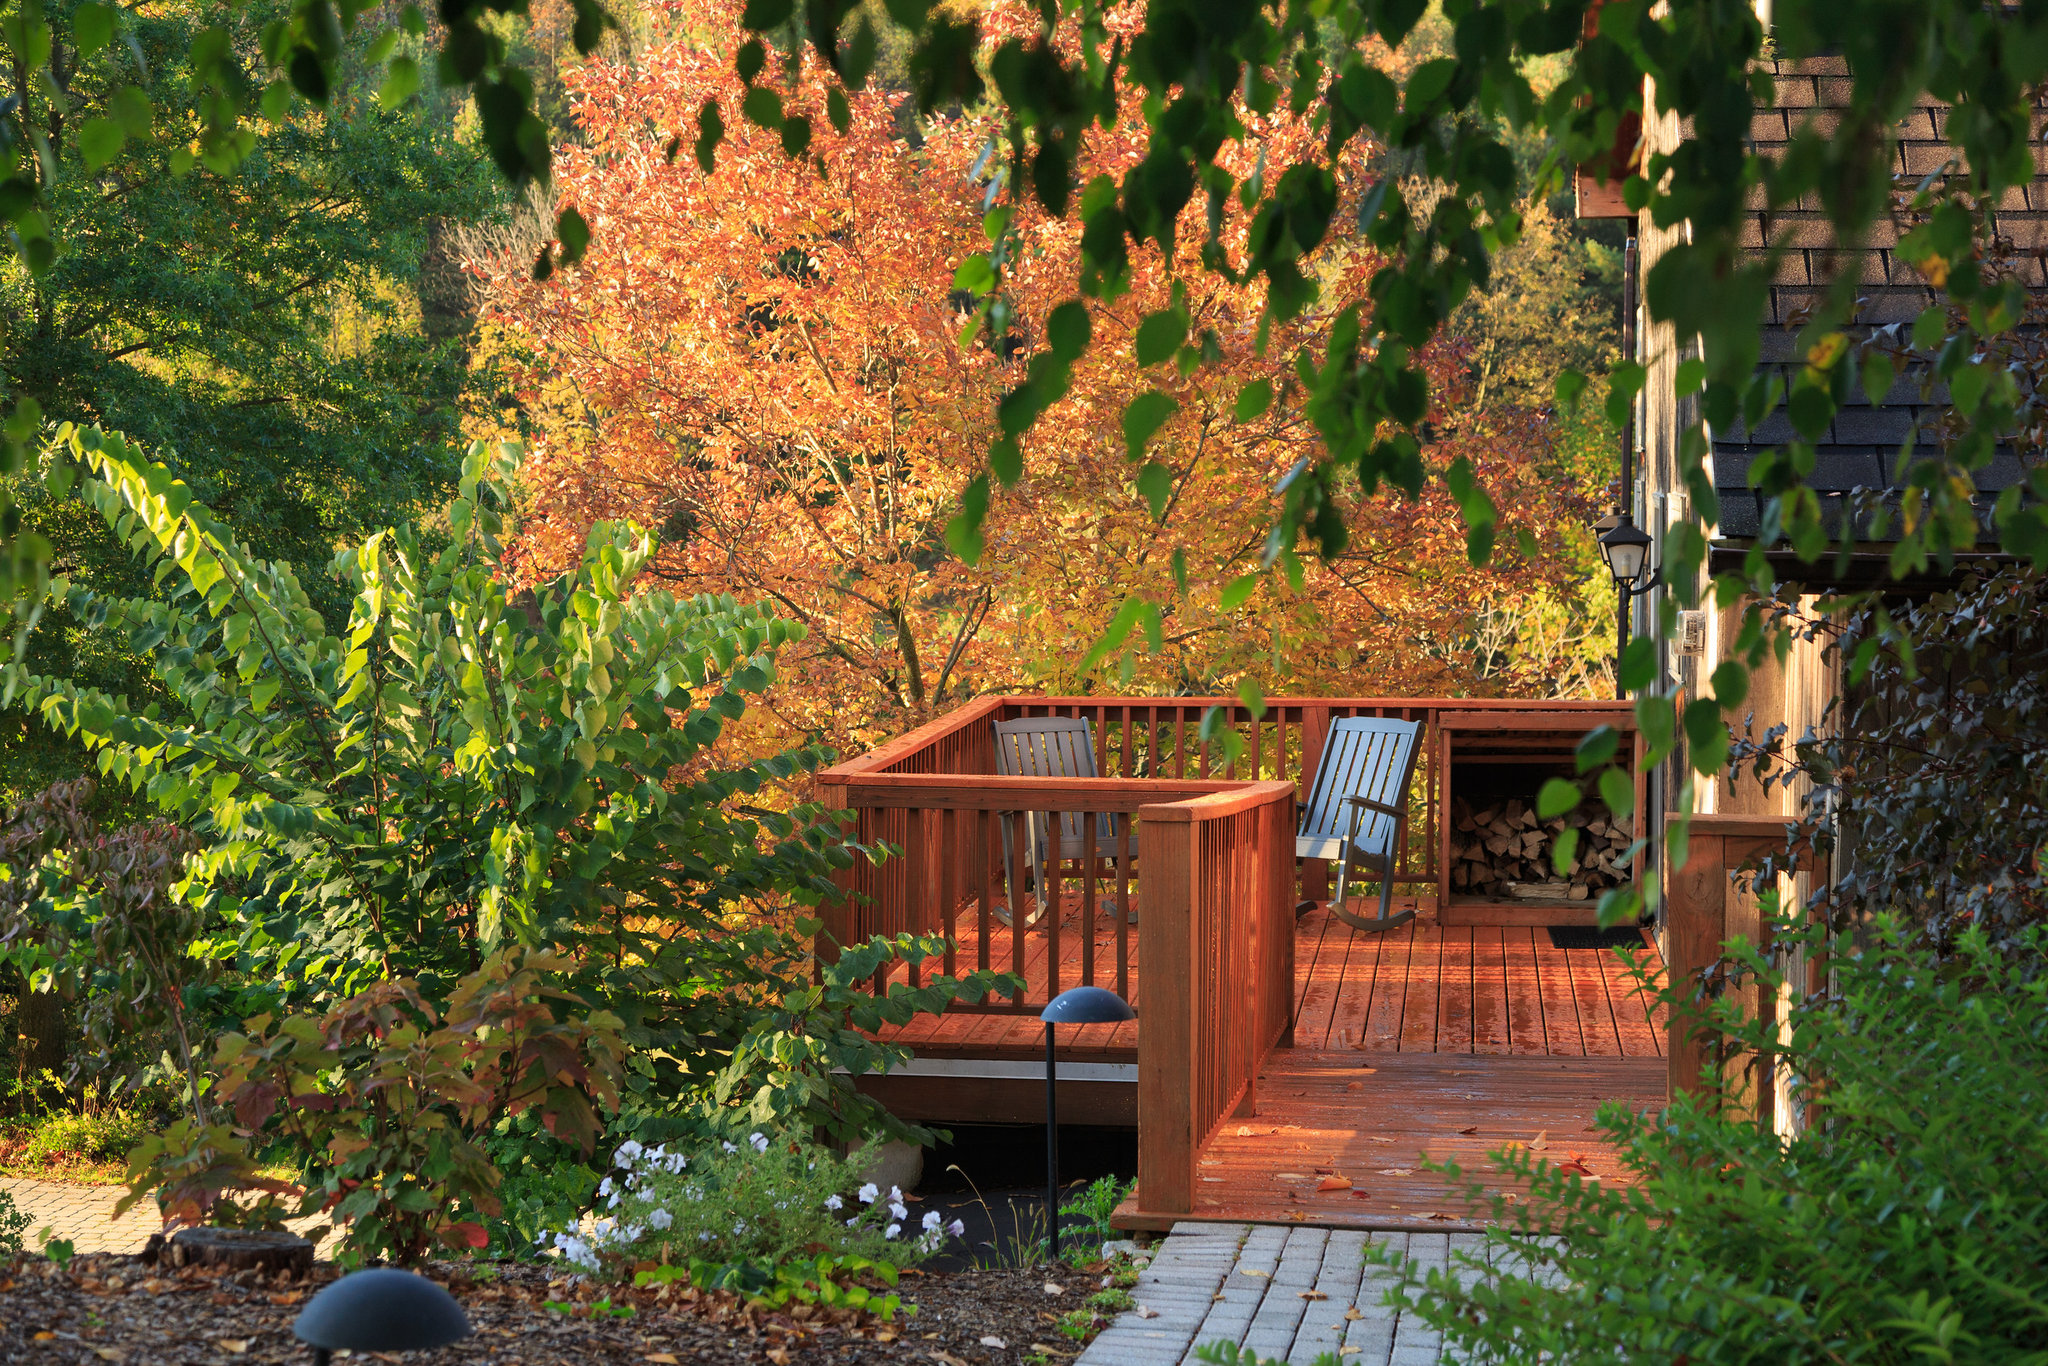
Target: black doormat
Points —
{"points": [[1593, 937]]}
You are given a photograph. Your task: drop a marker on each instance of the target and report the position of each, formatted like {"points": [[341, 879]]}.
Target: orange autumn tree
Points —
{"points": [[767, 365]]}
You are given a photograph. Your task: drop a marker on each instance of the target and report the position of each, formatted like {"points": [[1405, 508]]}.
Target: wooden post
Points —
{"points": [[1315, 730], [1167, 1084], [1693, 919]]}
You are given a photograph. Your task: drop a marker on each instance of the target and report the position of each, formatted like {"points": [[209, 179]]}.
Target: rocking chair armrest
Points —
{"points": [[1384, 808]]}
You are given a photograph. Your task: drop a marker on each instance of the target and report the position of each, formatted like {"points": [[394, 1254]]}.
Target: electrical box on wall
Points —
{"points": [[1691, 639]]}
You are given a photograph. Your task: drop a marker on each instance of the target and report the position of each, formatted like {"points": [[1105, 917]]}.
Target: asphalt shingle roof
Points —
{"points": [[1860, 449]]}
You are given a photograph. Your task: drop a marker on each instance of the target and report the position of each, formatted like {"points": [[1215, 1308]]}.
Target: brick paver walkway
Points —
{"points": [[1246, 1283], [83, 1214]]}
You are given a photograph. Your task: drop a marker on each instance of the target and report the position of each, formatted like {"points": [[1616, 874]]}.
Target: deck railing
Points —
{"points": [[951, 871], [1216, 926]]}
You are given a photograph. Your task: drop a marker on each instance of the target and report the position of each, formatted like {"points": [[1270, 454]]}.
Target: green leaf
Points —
{"points": [[1557, 796], [1238, 591], [1143, 417], [1617, 791], [1706, 735], [1254, 399], [99, 142], [1155, 484], [263, 691], [1068, 330], [1119, 631], [1597, 748], [1160, 335], [129, 107], [92, 26], [1691, 378], [1638, 664], [1253, 698], [1570, 385], [1565, 852], [401, 82]]}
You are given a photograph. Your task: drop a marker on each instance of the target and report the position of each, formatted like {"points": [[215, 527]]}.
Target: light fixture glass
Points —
{"points": [[1627, 552]]}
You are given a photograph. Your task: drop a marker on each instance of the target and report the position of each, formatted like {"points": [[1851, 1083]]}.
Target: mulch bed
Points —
{"points": [[113, 1308]]}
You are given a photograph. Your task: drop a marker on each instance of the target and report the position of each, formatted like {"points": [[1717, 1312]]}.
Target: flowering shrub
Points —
{"points": [[765, 1202]]}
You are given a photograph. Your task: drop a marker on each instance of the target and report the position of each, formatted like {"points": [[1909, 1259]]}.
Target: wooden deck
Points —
{"points": [[1323, 1117], [1422, 988]]}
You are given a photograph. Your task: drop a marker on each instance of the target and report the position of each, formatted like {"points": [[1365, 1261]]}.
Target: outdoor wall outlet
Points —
{"points": [[1692, 632]]}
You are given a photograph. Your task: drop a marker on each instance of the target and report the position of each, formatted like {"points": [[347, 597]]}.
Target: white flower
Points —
{"points": [[628, 1150], [957, 1229], [892, 1230], [730, 1147], [760, 1142], [899, 1209], [932, 1220], [659, 1219], [854, 1220], [869, 1193], [604, 1187], [614, 1203], [655, 1154], [705, 1236], [833, 1202], [895, 1193]]}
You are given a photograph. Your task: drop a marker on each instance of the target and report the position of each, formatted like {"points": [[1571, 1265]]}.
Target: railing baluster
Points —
{"points": [[1088, 881], [985, 857]]}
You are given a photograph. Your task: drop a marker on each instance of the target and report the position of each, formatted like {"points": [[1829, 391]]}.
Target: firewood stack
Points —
{"points": [[1504, 850]]}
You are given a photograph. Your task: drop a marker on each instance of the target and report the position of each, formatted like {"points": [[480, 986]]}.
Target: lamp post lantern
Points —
{"points": [[1075, 1006]]}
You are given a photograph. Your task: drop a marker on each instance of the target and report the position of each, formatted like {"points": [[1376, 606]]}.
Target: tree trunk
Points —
{"points": [[235, 1249], [39, 1020]]}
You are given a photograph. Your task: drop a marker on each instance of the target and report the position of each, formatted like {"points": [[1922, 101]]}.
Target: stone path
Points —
{"points": [[1244, 1283], [83, 1214]]}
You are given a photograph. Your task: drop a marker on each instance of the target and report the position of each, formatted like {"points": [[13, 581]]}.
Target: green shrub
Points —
{"points": [[762, 1203], [102, 1137], [535, 1197], [14, 1223], [1907, 1223]]}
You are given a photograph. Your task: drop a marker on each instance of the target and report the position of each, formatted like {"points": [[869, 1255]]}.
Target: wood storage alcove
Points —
{"points": [[1495, 854]]}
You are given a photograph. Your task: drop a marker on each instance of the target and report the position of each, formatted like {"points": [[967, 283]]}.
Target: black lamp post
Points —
{"points": [[1626, 549], [1076, 1006], [380, 1311]]}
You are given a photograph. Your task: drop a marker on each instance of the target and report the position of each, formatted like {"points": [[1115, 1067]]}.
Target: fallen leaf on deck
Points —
{"points": [[1248, 1271], [1470, 1129], [1349, 1351], [1375, 1138], [1299, 1216], [1361, 1195], [1352, 1315], [1290, 1176], [1145, 1313], [1446, 1218], [1577, 1164], [1333, 1183], [1540, 1142], [1310, 1295], [1397, 1171], [1354, 1086], [780, 1355], [235, 1345], [1244, 1131]]}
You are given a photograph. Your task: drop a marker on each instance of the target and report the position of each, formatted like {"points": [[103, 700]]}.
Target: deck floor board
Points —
{"points": [[1323, 1115], [1419, 988]]}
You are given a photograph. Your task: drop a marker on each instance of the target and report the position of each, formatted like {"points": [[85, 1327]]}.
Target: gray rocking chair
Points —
{"points": [[1357, 816], [1054, 747]]}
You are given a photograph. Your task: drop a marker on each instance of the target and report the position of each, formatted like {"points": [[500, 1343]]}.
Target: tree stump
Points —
{"points": [[236, 1249]]}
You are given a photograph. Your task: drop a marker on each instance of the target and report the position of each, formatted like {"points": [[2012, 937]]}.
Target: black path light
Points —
{"points": [[1075, 1006], [380, 1311]]}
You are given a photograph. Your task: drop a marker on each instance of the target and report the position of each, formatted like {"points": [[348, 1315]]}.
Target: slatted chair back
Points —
{"points": [[1055, 747], [1356, 814]]}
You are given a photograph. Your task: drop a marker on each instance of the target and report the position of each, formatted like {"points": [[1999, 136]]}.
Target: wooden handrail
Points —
{"points": [[996, 792], [1230, 799]]}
